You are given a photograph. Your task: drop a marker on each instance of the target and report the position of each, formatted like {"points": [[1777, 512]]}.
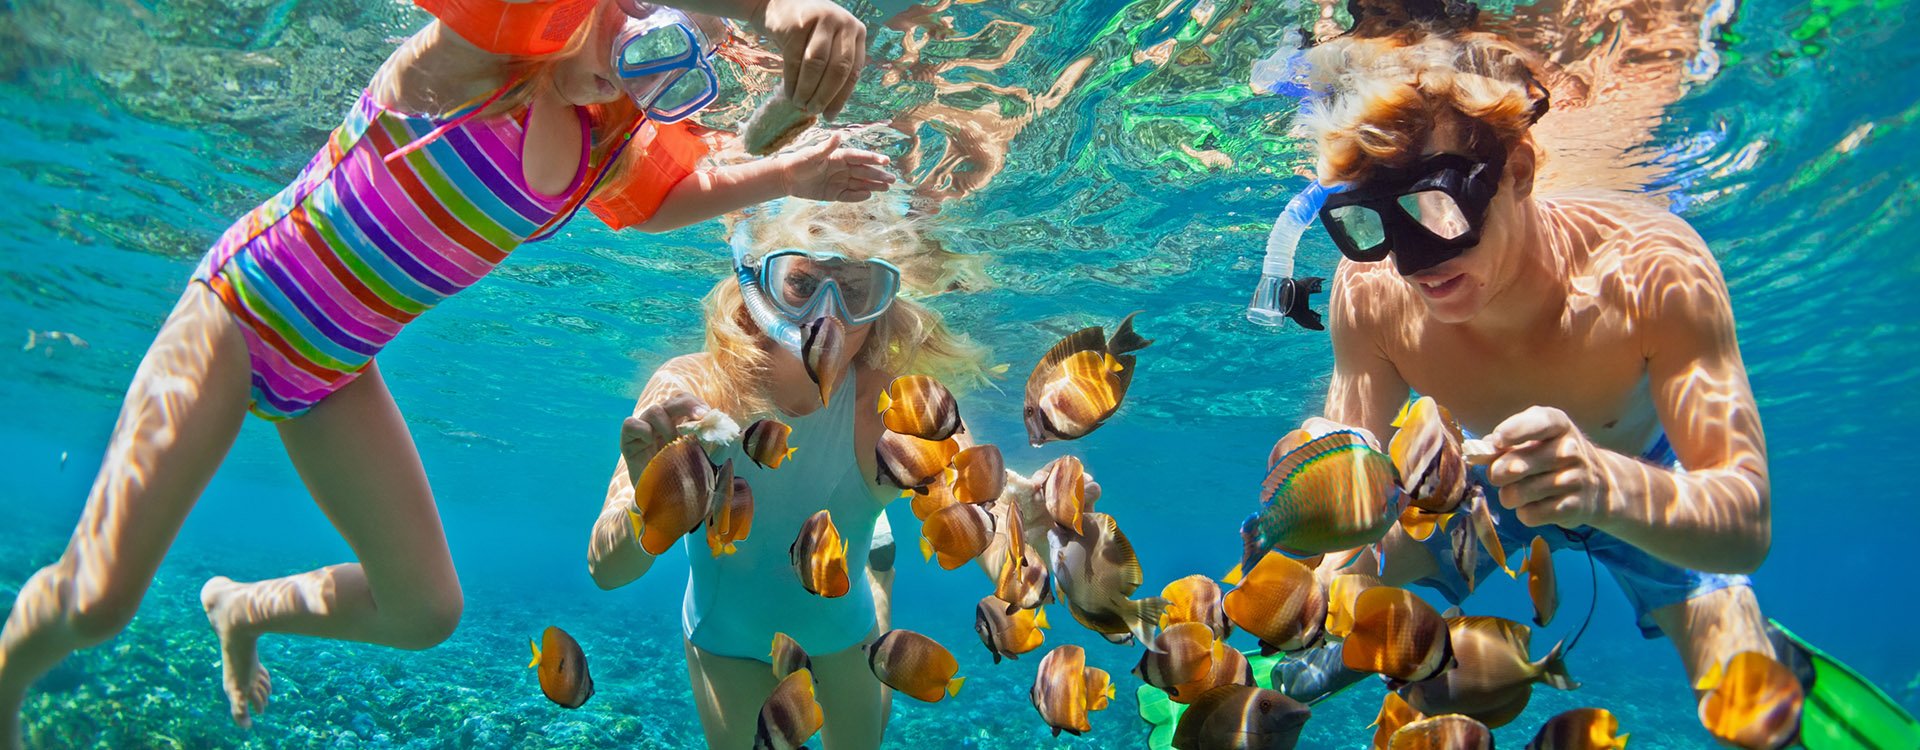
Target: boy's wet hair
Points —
{"points": [[1406, 65]]}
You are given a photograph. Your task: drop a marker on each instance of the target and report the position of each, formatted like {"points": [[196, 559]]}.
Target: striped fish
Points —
{"points": [[1334, 493]]}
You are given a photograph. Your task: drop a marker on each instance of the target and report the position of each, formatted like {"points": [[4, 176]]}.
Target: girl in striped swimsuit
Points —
{"points": [[572, 103]]}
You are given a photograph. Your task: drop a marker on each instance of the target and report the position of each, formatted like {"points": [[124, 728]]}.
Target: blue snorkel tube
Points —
{"points": [[784, 332], [1279, 296]]}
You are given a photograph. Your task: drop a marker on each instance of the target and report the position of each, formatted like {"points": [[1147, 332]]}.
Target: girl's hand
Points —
{"points": [[643, 435], [827, 172], [1547, 470], [824, 48]]}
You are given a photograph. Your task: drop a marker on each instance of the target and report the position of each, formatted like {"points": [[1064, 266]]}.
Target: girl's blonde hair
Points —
{"points": [[910, 338], [1381, 90]]}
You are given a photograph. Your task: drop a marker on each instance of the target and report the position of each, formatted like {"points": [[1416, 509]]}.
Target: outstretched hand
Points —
{"points": [[644, 434], [824, 48], [827, 172], [1547, 470]]}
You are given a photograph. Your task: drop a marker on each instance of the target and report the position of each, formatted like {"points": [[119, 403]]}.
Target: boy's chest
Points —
{"points": [[1597, 375]]}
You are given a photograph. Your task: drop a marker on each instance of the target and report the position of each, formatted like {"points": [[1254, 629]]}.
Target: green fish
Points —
{"points": [[1333, 493]]}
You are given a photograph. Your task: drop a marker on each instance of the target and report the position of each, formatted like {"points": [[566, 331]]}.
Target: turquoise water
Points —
{"points": [[135, 131]]}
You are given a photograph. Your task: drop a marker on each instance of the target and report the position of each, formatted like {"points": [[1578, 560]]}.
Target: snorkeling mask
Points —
{"points": [[788, 288], [1423, 215], [664, 62]]}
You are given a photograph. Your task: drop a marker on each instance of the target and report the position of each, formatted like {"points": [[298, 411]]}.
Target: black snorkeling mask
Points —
{"points": [[1424, 215]]}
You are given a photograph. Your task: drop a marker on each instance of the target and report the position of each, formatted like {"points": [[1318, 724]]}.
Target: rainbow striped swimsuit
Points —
{"points": [[324, 274]]}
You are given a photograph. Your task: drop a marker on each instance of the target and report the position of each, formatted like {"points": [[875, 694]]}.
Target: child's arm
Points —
{"points": [[463, 55], [614, 556], [824, 172]]}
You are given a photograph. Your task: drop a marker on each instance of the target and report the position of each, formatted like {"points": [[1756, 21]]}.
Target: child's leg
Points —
{"points": [[181, 414], [1711, 628], [360, 463]]}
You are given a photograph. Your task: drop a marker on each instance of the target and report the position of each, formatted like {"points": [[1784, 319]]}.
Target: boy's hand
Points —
{"points": [[643, 435], [1547, 470], [824, 48], [827, 172]]}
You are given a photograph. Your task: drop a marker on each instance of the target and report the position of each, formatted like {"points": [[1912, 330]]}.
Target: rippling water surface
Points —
{"points": [[1092, 158]]}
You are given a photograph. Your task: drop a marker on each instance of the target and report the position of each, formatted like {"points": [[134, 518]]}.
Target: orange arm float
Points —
{"points": [[541, 27], [667, 155]]}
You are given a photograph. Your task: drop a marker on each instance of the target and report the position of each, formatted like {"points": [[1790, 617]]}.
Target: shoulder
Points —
{"points": [[1651, 263]]}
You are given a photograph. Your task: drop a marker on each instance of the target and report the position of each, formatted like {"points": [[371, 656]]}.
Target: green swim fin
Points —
{"points": [[1843, 711], [1163, 715]]}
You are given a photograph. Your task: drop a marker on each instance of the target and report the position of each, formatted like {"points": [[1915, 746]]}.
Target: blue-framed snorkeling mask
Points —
{"points": [[664, 62], [787, 288]]}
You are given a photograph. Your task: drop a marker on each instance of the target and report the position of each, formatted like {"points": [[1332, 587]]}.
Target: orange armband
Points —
{"points": [[540, 27], [662, 156]]}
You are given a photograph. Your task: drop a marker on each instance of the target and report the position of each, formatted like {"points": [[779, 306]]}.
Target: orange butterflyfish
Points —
{"points": [[765, 443], [956, 534], [1445, 732], [672, 494], [823, 350], [819, 557], [1342, 592], [791, 715], [1195, 598], [787, 657], [1580, 729], [730, 515], [1751, 702], [563, 668], [1008, 635], [1065, 492], [910, 463], [979, 474], [1397, 635], [1280, 603], [1426, 450], [1080, 382], [1394, 714], [920, 406], [1180, 654], [915, 665], [1541, 585]]}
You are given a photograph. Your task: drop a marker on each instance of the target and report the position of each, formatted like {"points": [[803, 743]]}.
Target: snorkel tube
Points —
{"points": [[1279, 295], [784, 332]]}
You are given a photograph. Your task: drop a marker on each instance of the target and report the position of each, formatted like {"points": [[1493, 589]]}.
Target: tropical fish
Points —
{"points": [[1580, 729], [1426, 451], [819, 557], [1097, 572], [765, 443], [1334, 493], [1230, 667], [920, 406], [910, 463], [1240, 717], [1541, 586], [1080, 382], [563, 668], [787, 656], [956, 534], [1008, 635], [1022, 580], [774, 124], [1180, 654], [790, 716], [1060, 690], [1394, 714], [823, 350], [1475, 534], [1492, 677], [1397, 635], [914, 665], [1195, 598], [730, 516], [672, 493], [1751, 702], [1342, 592], [931, 498], [1065, 492], [979, 474], [1280, 603], [1099, 688], [1448, 732]]}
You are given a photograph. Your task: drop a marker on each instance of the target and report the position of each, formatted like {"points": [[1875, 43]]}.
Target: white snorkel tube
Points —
{"points": [[784, 332], [1279, 295]]}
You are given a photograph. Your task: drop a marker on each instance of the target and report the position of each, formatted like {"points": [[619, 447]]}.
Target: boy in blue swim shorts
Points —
{"points": [[1587, 336]]}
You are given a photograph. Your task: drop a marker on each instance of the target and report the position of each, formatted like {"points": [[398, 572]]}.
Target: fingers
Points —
{"points": [[1536, 423], [684, 407], [813, 71], [1092, 491], [875, 175], [1538, 458], [1537, 487], [1555, 511], [850, 52]]}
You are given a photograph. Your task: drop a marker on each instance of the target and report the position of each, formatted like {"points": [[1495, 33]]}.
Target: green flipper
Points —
{"points": [[1163, 715], [1843, 711]]}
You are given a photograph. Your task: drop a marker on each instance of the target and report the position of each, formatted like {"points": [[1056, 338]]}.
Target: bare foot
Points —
{"points": [[246, 682]]}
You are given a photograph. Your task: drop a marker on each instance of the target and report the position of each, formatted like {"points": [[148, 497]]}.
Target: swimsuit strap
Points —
{"points": [[561, 219], [462, 119]]}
